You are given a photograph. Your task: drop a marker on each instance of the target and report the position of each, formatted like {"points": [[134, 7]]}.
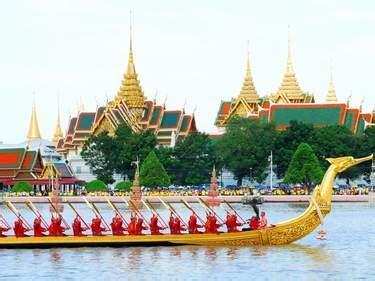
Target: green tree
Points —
{"points": [[304, 168], [193, 159], [152, 172], [124, 186], [100, 153], [22, 187], [131, 145], [287, 143], [96, 186], [245, 148]]}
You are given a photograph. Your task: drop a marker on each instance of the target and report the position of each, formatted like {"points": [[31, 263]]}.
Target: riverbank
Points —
{"points": [[177, 199]]}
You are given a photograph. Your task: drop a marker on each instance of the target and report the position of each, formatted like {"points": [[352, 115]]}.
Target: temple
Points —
{"points": [[129, 106], [290, 102], [35, 161]]}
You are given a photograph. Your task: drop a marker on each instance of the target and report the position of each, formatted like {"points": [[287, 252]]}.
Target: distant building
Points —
{"points": [[28, 160], [289, 103], [130, 106]]}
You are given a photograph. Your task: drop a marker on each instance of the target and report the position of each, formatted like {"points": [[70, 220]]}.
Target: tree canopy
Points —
{"points": [[96, 186], [245, 148], [191, 160], [22, 186], [152, 172], [124, 186], [304, 167]]}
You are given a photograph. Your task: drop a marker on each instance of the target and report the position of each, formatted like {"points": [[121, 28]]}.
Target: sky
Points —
{"points": [[183, 50]]}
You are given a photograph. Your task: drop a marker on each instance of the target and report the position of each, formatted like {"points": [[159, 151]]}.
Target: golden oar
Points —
{"points": [[78, 215], [18, 214], [208, 207], [116, 210], [67, 226], [148, 203], [238, 215], [139, 213], [191, 209], [171, 209], [36, 212]]}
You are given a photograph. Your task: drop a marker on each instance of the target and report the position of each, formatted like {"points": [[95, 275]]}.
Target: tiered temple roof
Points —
{"points": [[291, 103], [131, 107]]}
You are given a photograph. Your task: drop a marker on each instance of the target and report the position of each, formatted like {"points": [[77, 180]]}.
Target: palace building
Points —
{"points": [[129, 106], [290, 102], [35, 161]]}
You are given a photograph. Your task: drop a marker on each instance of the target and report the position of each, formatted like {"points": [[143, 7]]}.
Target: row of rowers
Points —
{"points": [[136, 225]]}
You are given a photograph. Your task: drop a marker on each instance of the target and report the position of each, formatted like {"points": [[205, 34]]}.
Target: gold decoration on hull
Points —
{"points": [[34, 132], [331, 95], [282, 233], [289, 90]]}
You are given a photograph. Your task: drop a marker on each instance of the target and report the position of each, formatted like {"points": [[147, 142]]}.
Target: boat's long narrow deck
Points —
{"points": [[126, 240]]}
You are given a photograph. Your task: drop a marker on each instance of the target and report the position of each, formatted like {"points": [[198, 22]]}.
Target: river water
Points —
{"points": [[347, 254]]}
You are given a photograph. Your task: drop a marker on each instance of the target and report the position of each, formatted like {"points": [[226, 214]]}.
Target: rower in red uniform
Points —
{"points": [[96, 226], [132, 227], [4, 227], [117, 225], [254, 223], [171, 223], [154, 226], [19, 229], [140, 227], [177, 226], [77, 227], [193, 225], [233, 223], [55, 228], [211, 224], [38, 228]]}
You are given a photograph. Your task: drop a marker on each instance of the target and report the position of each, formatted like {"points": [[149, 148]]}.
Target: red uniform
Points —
{"points": [[132, 227], [211, 225], [254, 223], [55, 228], [19, 229], [38, 228], [193, 225], [96, 227], [77, 227], [177, 226], [3, 229], [140, 227], [232, 223], [171, 223], [154, 226], [117, 225]]}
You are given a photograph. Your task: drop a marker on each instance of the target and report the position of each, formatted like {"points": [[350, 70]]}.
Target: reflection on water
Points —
{"points": [[347, 254]]}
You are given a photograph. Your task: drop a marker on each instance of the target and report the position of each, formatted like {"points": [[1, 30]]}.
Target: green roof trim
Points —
{"points": [[170, 119], [72, 125], [165, 133], [85, 121], [155, 115], [349, 120], [318, 116], [185, 123]]}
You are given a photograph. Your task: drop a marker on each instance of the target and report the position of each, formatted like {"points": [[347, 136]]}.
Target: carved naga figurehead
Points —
{"points": [[342, 163]]}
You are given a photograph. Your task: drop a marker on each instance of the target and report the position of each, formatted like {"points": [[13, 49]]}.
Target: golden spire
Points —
{"points": [[130, 90], [58, 131], [289, 86], [34, 132], [248, 90], [331, 95]]}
